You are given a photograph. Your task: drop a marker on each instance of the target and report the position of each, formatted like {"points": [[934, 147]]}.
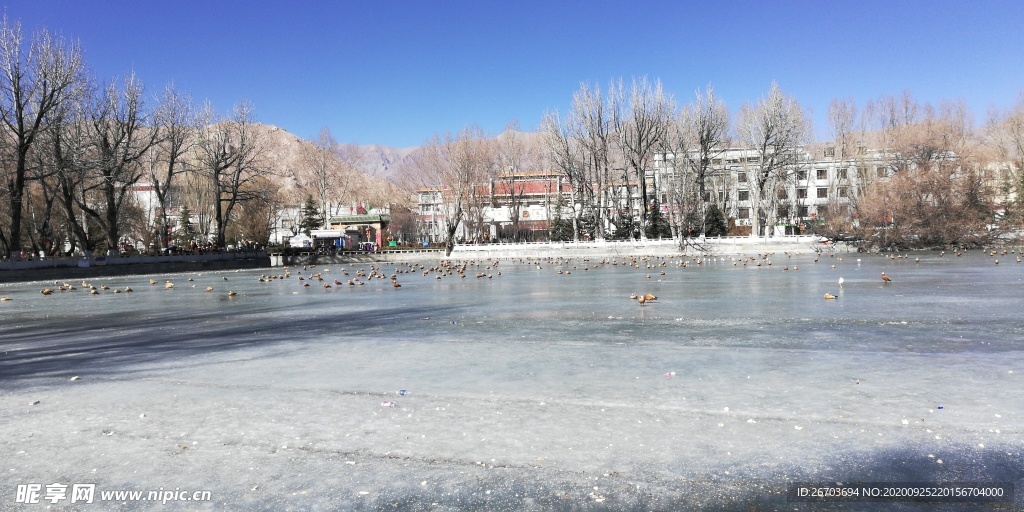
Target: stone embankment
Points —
{"points": [[348, 258], [77, 268]]}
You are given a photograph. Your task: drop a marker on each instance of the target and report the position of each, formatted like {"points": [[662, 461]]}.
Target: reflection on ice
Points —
{"points": [[529, 390]]}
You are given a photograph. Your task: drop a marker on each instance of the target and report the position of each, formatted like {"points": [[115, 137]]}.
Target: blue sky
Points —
{"points": [[396, 72]]}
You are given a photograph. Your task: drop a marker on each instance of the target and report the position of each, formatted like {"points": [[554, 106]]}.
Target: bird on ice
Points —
{"points": [[841, 281], [886, 278]]}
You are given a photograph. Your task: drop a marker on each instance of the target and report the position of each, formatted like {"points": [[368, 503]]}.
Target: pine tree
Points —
{"points": [[657, 226], [714, 222], [311, 217], [185, 233], [560, 228]]}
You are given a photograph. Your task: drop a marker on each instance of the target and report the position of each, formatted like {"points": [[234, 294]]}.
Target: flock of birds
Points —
{"points": [[310, 275], [98, 290], [886, 279]]}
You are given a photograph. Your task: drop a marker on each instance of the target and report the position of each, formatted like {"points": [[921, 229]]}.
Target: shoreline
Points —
{"points": [[606, 248], [72, 268], [665, 247], [77, 268]]}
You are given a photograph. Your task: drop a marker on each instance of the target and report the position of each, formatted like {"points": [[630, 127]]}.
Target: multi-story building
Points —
{"points": [[822, 183], [803, 193], [526, 201]]}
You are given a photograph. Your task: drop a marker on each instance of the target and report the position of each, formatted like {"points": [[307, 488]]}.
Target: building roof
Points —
{"points": [[360, 219], [532, 187]]}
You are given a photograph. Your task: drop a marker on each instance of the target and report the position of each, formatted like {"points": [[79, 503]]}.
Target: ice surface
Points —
{"points": [[528, 390]]}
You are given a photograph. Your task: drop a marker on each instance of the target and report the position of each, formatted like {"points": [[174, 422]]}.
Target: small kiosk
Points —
{"points": [[359, 231], [330, 240]]}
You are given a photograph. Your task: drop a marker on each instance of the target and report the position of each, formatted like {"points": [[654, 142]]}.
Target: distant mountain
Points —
{"points": [[374, 160], [285, 152], [385, 162]]}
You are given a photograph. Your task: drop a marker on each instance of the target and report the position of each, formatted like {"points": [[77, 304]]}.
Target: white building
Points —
{"points": [[805, 192]]}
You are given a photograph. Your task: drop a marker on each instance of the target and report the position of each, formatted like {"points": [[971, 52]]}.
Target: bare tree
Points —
{"points": [[258, 214], [377, 192], [514, 155], [230, 153], [198, 196], [65, 155], [354, 184], [121, 132], [693, 144], [591, 124], [565, 155], [842, 114], [918, 135], [933, 192], [707, 123], [775, 128], [35, 80], [452, 167], [930, 207], [1005, 136], [321, 169], [642, 128], [176, 116]]}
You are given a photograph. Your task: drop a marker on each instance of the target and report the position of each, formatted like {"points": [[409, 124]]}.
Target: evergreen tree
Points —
{"points": [[657, 226], [560, 228], [185, 233], [714, 222], [311, 217], [626, 227]]}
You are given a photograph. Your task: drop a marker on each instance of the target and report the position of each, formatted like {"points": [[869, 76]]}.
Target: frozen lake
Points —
{"points": [[544, 387]]}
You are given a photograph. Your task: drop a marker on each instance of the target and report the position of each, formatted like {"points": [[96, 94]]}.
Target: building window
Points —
{"points": [[842, 174], [822, 211], [801, 175], [744, 213], [801, 193], [744, 195], [783, 194], [783, 212], [822, 192], [822, 174], [741, 177], [830, 151], [842, 192], [880, 172], [802, 211]]}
